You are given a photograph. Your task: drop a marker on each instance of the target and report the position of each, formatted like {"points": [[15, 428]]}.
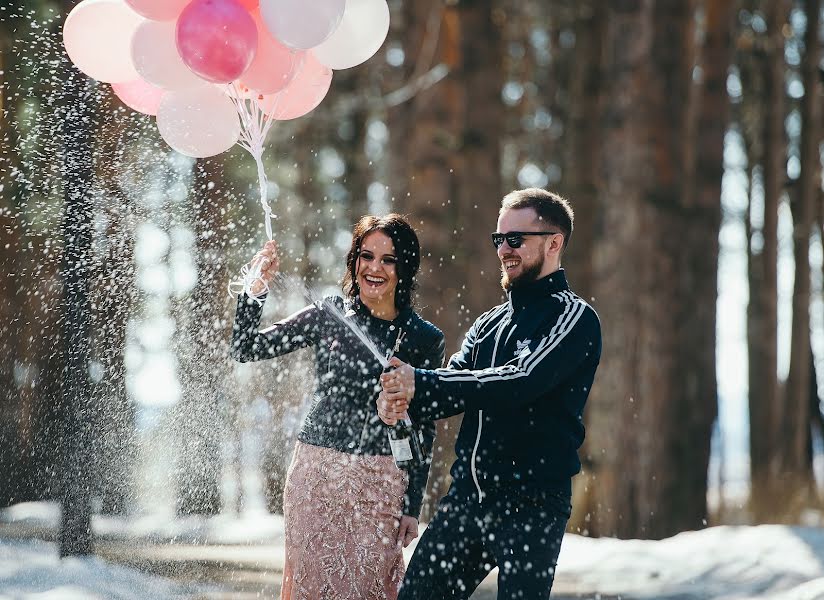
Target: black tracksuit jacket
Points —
{"points": [[521, 378], [343, 415]]}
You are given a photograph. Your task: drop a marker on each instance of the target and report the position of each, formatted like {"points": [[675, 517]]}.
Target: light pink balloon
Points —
{"points": [[274, 65], [217, 39], [139, 95], [97, 35], [156, 59], [199, 123], [158, 10], [307, 90], [302, 24], [360, 34]]}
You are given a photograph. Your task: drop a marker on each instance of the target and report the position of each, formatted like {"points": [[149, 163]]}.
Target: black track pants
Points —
{"points": [[519, 533]]}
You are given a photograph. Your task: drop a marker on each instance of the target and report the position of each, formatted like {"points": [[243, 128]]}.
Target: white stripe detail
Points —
{"points": [[475, 453], [500, 328], [485, 323], [563, 326]]}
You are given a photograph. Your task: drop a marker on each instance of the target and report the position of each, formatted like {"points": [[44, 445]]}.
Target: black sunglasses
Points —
{"points": [[516, 238]]}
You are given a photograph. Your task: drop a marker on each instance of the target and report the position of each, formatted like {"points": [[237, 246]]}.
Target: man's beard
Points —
{"points": [[528, 275]]}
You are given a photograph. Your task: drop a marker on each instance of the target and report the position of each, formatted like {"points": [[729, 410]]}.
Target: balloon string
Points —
{"points": [[255, 125], [251, 139], [249, 275]]}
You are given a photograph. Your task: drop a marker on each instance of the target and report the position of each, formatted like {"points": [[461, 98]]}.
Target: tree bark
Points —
{"points": [[797, 479], [581, 174], [696, 398], [655, 389], [764, 392], [445, 144], [204, 364], [76, 436]]}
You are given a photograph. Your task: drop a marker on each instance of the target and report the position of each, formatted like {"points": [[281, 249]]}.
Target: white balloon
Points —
{"points": [[302, 24], [97, 35], [157, 60], [199, 123], [360, 34]]}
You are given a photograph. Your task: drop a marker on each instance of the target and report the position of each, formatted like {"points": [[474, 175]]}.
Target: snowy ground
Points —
{"points": [[729, 563], [32, 570]]}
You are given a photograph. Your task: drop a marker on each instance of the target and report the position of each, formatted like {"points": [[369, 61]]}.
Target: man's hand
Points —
{"points": [[407, 531], [398, 389]]}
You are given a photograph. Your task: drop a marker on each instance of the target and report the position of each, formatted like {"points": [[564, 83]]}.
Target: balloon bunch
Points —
{"points": [[219, 72]]}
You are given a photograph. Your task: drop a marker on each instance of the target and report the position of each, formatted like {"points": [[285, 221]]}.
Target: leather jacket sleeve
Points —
{"points": [[251, 344]]}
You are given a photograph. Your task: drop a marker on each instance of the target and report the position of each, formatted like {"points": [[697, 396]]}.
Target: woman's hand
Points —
{"points": [[269, 263], [408, 530]]}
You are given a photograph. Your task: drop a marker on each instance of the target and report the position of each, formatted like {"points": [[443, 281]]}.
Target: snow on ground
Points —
{"points": [[723, 563], [729, 563], [32, 570], [250, 527]]}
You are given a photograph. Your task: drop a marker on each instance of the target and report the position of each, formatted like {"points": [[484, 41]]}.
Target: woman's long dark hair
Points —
{"points": [[407, 249]]}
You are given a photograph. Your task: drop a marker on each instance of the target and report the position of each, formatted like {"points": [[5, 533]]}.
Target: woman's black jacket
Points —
{"points": [[343, 415]]}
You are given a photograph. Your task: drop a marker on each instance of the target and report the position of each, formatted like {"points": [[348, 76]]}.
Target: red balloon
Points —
{"points": [[217, 39], [250, 5]]}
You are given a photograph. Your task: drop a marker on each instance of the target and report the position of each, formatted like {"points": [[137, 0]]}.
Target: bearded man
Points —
{"points": [[521, 378]]}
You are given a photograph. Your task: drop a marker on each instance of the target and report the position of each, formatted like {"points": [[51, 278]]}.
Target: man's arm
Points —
{"points": [[418, 476], [575, 338], [399, 385]]}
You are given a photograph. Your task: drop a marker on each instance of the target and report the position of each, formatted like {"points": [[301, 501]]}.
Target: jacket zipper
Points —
{"points": [[472, 468]]}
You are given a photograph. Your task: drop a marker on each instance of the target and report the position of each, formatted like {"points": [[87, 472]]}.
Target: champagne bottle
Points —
{"points": [[405, 445], [403, 439]]}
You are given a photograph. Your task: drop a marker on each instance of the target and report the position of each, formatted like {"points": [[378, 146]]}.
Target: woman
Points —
{"points": [[348, 507]]}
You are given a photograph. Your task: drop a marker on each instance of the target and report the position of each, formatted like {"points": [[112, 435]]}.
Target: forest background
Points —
{"points": [[686, 134]]}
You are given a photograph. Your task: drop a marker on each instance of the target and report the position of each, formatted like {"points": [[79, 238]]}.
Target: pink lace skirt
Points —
{"points": [[342, 518]]}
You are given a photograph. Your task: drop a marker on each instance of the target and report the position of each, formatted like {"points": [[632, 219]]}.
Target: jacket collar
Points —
{"points": [[539, 289], [360, 308]]}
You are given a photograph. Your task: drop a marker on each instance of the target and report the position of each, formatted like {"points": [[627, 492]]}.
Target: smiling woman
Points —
{"points": [[348, 507], [381, 264]]}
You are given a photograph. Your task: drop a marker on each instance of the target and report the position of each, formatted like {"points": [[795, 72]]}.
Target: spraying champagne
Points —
{"points": [[403, 439]]}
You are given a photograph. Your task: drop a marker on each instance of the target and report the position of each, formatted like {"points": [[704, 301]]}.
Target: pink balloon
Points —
{"points": [[307, 90], [217, 39], [274, 65], [302, 24], [139, 95], [158, 10], [199, 123], [155, 56], [97, 35]]}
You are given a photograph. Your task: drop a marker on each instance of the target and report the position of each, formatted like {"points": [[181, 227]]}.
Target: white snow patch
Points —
{"points": [[252, 527], [33, 570], [730, 563]]}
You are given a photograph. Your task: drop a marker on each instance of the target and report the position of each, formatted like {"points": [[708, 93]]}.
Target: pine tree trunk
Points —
{"points": [[764, 395], [12, 452], [655, 390], [76, 434], [796, 476], [445, 142], [696, 397], [202, 355], [581, 174]]}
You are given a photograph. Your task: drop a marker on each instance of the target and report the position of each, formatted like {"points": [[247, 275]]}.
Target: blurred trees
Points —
{"points": [[632, 110]]}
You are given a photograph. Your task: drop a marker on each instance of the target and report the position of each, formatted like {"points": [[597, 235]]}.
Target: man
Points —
{"points": [[521, 377]]}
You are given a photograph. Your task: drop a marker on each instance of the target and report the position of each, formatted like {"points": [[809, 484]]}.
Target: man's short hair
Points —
{"points": [[549, 206]]}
